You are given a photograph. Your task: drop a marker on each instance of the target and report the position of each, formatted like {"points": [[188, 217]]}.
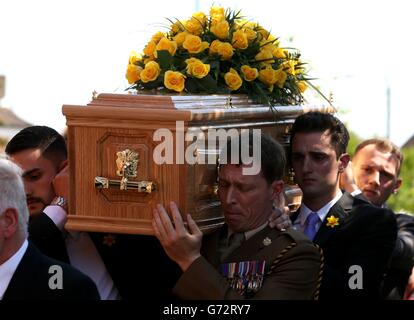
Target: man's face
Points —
{"points": [[38, 174], [316, 166], [375, 174], [246, 200]]}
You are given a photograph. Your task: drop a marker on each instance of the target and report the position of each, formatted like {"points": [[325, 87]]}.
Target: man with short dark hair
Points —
{"points": [[375, 173], [41, 152], [25, 273], [356, 237], [106, 258], [246, 258]]}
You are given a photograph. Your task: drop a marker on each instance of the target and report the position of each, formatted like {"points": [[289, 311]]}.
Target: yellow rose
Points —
{"points": [[193, 44], [289, 66], [302, 86], [221, 29], [238, 24], [299, 67], [174, 80], [191, 60], [201, 17], [280, 77], [133, 72], [225, 50], [180, 38], [267, 46], [265, 57], [197, 68], [279, 53], [158, 36], [239, 40], [194, 26], [249, 73], [250, 34], [263, 32], [135, 57], [251, 25], [217, 15], [148, 60], [167, 45], [150, 49], [233, 80], [177, 27], [150, 72], [214, 47], [267, 76], [216, 11]]}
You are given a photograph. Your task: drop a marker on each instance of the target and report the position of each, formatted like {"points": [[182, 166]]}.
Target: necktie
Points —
{"points": [[310, 225], [235, 240]]}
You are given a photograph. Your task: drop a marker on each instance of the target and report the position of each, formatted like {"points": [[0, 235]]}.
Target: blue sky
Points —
{"points": [[58, 52]]}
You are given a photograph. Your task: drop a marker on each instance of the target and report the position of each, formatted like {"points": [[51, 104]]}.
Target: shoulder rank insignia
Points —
{"points": [[246, 277]]}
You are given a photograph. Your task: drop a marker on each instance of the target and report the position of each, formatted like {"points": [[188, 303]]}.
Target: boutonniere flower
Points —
{"points": [[332, 221]]}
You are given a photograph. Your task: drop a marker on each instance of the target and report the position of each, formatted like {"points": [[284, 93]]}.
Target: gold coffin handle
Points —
{"points": [[140, 186]]}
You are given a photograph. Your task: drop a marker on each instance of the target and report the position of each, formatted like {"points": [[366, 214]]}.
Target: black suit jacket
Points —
{"points": [[31, 280], [137, 264], [365, 237], [402, 259]]}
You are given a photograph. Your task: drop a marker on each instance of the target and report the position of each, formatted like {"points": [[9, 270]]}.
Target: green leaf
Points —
{"points": [[208, 84], [191, 85], [164, 59]]}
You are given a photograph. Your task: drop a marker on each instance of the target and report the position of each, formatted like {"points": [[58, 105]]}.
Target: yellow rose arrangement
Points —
{"points": [[219, 53]]}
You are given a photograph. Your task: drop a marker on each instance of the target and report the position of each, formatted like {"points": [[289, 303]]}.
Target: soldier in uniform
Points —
{"points": [[245, 258]]}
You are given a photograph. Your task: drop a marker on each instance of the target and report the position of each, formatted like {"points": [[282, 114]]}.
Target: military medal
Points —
{"points": [[246, 277]]}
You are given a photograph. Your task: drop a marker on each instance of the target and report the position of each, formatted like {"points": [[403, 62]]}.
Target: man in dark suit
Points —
{"points": [[25, 273], [263, 263], [41, 152], [374, 172], [357, 238]]}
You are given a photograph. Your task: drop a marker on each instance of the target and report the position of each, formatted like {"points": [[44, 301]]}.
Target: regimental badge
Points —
{"points": [[267, 241], [109, 240], [246, 277]]}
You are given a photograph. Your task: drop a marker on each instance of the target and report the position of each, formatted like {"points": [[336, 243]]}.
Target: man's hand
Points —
{"points": [[346, 179], [180, 244], [61, 181], [280, 215], [409, 290]]}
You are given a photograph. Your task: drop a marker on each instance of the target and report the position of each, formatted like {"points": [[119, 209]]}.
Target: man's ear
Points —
{"points": [[397, 185], [344, 160], [277, 188], [10, 222], [63, 164]]}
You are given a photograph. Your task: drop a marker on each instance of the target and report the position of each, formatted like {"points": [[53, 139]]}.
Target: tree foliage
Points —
{"points": [[403, 200]]}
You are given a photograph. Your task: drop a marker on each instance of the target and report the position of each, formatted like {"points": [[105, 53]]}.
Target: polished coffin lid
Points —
{"points": [[113, 123]]}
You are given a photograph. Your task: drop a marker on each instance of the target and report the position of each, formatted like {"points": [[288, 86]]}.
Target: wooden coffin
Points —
{"points": [[118, 129]]}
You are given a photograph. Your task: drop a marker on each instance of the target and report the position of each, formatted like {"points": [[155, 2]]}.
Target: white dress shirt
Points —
{"points": [[300, 221], [8, 268], [84, 256]]}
